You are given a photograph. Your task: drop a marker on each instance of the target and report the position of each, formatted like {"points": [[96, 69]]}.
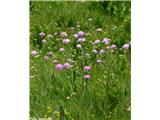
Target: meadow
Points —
{"points": [[80, 60]]}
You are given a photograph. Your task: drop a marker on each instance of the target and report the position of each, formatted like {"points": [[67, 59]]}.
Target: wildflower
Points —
{"points": [[94, 51], [66, 66], [108, 47], [90, 19], [78, 46], [49, 36], [97, 41], [81, 34], [106, 40], [101, 52], [113, 46], [63, 34], [81, 39], [99, 61], [75, 35], [87, 77], [125, 46], [46, 58], [99, 30], [50, 53], [34, 53], [55, 33], [44, 41], [59, 67], [42, 34], [87, 68], [55, 61], [61, 50], [65, 41]]}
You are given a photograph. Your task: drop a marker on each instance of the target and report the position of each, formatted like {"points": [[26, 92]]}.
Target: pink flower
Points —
{"points": [[101, 52], [125, 46], [63, 34], [66, 66], [87, 77], [99, 61], [65, 41], [34, 53], [113, 46], [78, 46], [97, 41], [59, 67], [81, 34], [61, 50], [87, 68]]}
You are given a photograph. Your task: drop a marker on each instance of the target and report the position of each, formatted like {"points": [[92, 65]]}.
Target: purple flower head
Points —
{"points": [[81, 34], [50, 53], [42, 34], [94, 51], [81, 39], [61, 50], [101, 52], [66, 66], [34, 53], [78, 46], [113, 46], [99, 30], [44, 41], [106, 40], [99, 61], [125, 46], [75, 35], [97, 41], [46, 57], [65, 41], [63, 34], [87, 68], [55, 61], [59, 67], [87, 77]]}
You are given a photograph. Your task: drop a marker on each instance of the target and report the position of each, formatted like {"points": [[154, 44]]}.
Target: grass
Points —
{"points": [[65, 95]]}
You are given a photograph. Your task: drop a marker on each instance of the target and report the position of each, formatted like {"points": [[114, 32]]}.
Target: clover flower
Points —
{"points": [[61, 50], [81, 39], [64, 35], [97, 41], [113, 46], [59, 67], [42, 34], [78, 46], [87, 68], [34, 53], [125, 46], [66, 66], [99, 61], [101, 52], [65, 41], [50, 53], [87, 77], [81, 34]]}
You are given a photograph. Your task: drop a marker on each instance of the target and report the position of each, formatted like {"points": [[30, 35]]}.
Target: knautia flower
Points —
{"points": [[65, 41], [34, 53], [50, 53], [63, 34], [87, 77], [87, 68], [46, 57], [44, 41], [66, 66], [99, 30], [78, 46], [42, 34], [81, 39], [75, 35], [101, 52], [125, 46], [55, 61], [99, 61], [94, 51], [61, 50], [81, 34], [97, 41], [59, 67], [113, 46]]}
